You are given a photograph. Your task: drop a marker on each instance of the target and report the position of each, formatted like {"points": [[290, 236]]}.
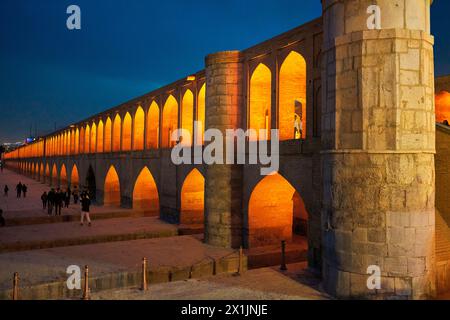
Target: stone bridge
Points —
{"points": [[355, 114]]}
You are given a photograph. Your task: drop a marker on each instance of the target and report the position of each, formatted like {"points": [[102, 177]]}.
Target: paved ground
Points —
{"points": [[47, 265], [264, 284]]}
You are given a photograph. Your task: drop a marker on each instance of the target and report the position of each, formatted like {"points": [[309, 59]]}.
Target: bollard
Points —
{"points": [[15, 293], [283, 256], [241, 257], [86, 291], [144, 286]]}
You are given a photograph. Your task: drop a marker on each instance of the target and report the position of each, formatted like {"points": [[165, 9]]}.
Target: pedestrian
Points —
{"points": [[59, 196], [50, 201], [75, 195], [2, 220], [85, 206], [6, 190], [67, 198], [44, 199], [24, 190], [19, 190], [1, 166]]}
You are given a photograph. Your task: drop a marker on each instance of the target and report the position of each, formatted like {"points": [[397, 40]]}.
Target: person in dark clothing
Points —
{"points": [[24, 190], [59, 198], [85, 207], [75, 195], [44, 199], [6, 189], [2, 220], [67, 198], [50, 201], [19, 190]]}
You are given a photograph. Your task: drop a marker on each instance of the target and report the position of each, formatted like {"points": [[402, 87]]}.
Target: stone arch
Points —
{"points": [[74, 177], [54, 182], [111, 189], [153, 126], [100, 129], [192, 198], [442, 100], [47, 174], [292, 97], [90, 183], [93, 141], [260, 99], [126, 132], [87, 136], [201, 111], [145, 192], [116, 133], [81, 143], [170, 121], [187, 116], [138, 129], [77, 141], [275, 209], [63, 182], [108, 135]]}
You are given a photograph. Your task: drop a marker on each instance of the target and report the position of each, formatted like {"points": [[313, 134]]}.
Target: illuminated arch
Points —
{"points": [[145, 192], [170, 121], [201, 109], [74, 177], [111, 195], [292, 97], [187, 115], [81, 143], [100, 137], [117, 129], [41, 173], [63, 183], [54, 176], [271, 211], [260, 99], [153, 126], [77, 141], [87, 135], [192, 198], [93, 138], [108, 135], [139, 128], [47, 174], [126, 132], [442, 100]]}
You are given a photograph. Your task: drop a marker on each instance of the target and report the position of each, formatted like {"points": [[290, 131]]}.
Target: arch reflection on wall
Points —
{"points": [[292, 97], [271, 212], [145, 193], [170, 121], [260, 99], [111, 196], [192, 198]]}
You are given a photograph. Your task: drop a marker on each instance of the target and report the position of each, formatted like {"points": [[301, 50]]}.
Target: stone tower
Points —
{"points": [[378, 142]]}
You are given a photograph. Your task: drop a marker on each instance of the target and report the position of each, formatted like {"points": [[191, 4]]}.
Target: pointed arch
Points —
{"points": [[41, 173], [54, 176], [63, 183], [170, 121], [193, 198], [260, 99], [292, 97], [187, 116], [47, 174], [145, 192], [111, 189], [153, 126], [116, 135], [108, 135], [139, 128], [271, 211], [93, 146], [90, 183], [442, 100], [100, 137], [74, 177], [87, 136], [77, 141], [201, 111], [126, 132]]}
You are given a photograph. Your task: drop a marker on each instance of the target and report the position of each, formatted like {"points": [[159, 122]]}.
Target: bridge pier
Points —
{"points": [[379, 143]]}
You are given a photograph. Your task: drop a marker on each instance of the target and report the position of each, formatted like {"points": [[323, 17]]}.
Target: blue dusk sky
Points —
{"points": [[51, 77]]}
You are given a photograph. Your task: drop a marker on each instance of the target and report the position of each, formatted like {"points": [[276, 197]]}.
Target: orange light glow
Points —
{"points": [[187, 116], [292, 104], [192, 198], [111, 196], [153, 126], [108, 135], [47, 174], [100, 137], [170, 121], [442, 100], [54, 176], [260, 99], [87, 136], [63, 177], [117, 128], [74, 177], [126, 133], [139, 127], [145, 193], [93, 138], [201, 109]]}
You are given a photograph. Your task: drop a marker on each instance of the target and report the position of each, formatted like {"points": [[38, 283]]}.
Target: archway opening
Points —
{"points": [[116, 133], [153, 126], [108, 132], [292, 97], [111, 190], [187, 116], [145, 193], [93, 138], [87, 135], [74, 178], [170, 121], [91, 185], [201, 110], [442, 100], [275, 210], [54, 176], [100, 137], [260, 100], [63, 183], [41, 173], [47, 174], [139, 127], [126, 132], [192, 198]]}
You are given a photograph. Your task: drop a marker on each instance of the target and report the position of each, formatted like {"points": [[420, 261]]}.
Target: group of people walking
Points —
{"points": [[21, 189]]}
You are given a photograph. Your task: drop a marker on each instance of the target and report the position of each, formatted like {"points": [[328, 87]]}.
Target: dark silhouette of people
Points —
{"points": [[6, 189], [75, 195], [59, 199], [51, 201], [24, 190], [1, 166], [19, 190], [44, 199], [2, 219], [67, 198], [85, 207], [446, 122]]}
